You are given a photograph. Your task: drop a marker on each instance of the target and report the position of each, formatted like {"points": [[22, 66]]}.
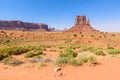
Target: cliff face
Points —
{"points": [[81, 25], [20, 25]]}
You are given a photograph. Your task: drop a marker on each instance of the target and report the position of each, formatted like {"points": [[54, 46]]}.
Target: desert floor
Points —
{"points": [[104, 46], [107, 70]]}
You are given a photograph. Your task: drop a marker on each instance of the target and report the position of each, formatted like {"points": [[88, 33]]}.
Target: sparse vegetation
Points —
{"points": [[11, 62], [70, 57], [84, 58], [87, 48], [28, 55], [99, 51], [68, 40], [69, 52], [75, 35], [113, 51]]}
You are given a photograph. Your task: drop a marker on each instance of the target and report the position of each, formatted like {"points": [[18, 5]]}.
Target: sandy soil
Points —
{"points": [[108, 70]]}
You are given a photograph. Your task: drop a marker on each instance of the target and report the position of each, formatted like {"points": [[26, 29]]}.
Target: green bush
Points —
{"points": [[109, 47], [14, 50], [61, 61], [113, 51], [92, 59], [71, 53], [28, 55], [37, 52], [99, 52], [60, 47], [2, 56], [63, 55], [84, 58], [74, 62], [87, 48], [38, 56], [18, 50]]}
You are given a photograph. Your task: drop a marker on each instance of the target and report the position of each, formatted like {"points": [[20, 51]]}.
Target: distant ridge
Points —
{"points": [[82, 25], [20, 25]]}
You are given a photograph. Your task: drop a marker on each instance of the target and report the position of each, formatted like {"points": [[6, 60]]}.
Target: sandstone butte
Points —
{"points": [[20, 25], [82, 25]]}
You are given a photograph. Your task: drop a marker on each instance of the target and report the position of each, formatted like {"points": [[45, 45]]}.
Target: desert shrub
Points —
{"points": [[68, 48], [53, 50], [113, 51], [77, 46], [87, 48], [11, 61], [46, 46], [60, 47], [62, 55], [39, 48], [75, 35], [92, 59], [4, 55], [113, 35], [84, 58], [37, 52], [92, 35], [82, 35], [99, 52], [38, 56], [68, 40], [66, 58], [80, 32], [61, 61], [30, 47], [28, 55], [14, 50], [18, 50], [71, 53], [110, 47], [7, 41], [74, 62]]}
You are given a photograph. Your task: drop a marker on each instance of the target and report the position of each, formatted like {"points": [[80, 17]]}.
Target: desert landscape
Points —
{"points": [[59, 39], [79, 53]]}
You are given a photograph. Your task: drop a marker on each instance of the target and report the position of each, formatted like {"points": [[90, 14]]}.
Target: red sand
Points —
{"points": [[107, 70]]}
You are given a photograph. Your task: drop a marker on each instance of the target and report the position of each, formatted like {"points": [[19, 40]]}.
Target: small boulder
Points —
{"points": [[57, 69]]}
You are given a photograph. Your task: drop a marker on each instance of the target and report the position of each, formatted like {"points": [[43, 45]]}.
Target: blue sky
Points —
{"points": [[104, 14]]}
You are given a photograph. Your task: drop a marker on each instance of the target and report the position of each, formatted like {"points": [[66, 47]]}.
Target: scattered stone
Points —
{"points": [[57, 69], [59, 74]]}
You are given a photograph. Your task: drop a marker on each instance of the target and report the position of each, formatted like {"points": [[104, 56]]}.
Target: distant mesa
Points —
{"points": [[20, 25], [82, 25]]}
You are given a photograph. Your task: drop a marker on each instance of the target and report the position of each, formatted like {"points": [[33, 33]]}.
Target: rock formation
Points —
{"points": [[20, 25], [81, 25]]}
